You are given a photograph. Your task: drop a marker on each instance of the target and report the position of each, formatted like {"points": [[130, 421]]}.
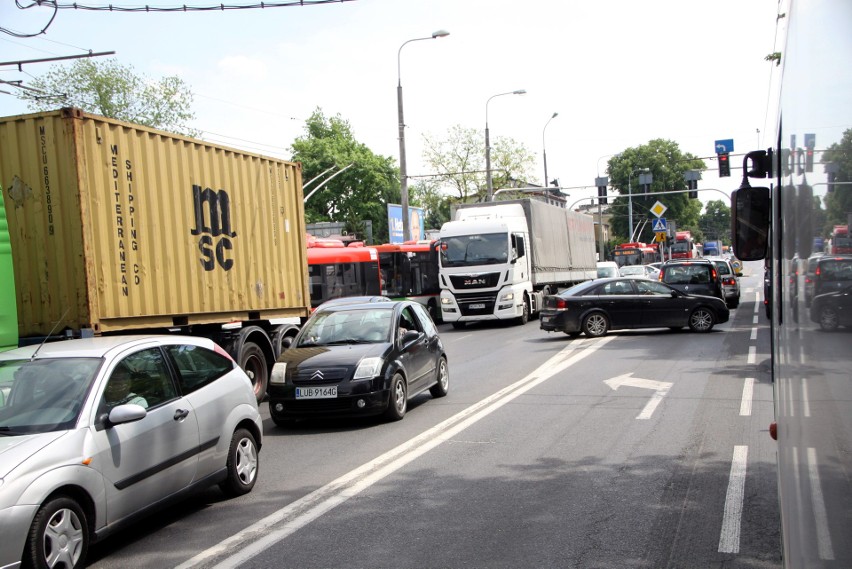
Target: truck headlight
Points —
{"points": [[507, 296], [445, 300], [368, 368]]}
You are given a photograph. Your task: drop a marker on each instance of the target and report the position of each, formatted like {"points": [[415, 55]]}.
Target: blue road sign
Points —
{"points": [[660, 225], [723, 146]]}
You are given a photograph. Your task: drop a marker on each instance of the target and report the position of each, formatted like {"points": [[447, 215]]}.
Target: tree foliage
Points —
{"points": [[458, 161], [715, 222], [667, 164], [359, 193], [838, 203], [107, 88]]}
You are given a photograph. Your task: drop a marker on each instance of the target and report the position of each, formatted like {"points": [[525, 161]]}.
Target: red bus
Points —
{"points": [[336, 271], [634, 254], [410, 270]]}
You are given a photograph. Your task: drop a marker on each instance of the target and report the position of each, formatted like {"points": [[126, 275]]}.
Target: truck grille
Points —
{"points": [[476, 304], [483, 280]]}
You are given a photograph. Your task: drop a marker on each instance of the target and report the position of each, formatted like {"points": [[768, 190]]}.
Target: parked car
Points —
{"points": [[607, 269], [597, 306], [729, 279], [692, 276], [97, 432], [359, 359], [833, 309]]}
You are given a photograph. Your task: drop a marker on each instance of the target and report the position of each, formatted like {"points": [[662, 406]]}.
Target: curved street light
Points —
{"points": [[403, 172], [489, 184], [544, 150]]}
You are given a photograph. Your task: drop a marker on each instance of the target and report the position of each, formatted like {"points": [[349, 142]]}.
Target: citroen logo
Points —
{"points": [[317, 375]]}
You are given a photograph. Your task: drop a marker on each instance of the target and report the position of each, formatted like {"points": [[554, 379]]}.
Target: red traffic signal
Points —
{"points": [[724, 166]]}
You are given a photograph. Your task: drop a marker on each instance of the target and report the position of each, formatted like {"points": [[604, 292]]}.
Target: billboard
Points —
{"points": [[416, 217]]}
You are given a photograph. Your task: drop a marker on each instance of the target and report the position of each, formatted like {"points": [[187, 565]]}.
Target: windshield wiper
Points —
{"points": [[350, 341], [9, 432]]}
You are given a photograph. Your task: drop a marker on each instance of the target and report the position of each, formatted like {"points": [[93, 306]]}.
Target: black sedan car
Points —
{"points": [[595, 307], [359, 359], [832, 309]]}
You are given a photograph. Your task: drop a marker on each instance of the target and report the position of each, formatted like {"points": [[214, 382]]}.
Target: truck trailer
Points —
{"points": [[119, 228], [499, 259]]}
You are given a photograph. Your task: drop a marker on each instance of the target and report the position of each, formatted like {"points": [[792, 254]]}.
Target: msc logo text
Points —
{"points": [[213, 224]]}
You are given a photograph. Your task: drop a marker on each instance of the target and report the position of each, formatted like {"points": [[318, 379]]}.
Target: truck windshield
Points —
{"points": [[470, 250]]}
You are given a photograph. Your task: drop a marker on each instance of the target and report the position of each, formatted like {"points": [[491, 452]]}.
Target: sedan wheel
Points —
{"points": [[441, 388], [595, 325], [398, 401], [59, 535], [701, 320], [242, 464], [828, 319]]}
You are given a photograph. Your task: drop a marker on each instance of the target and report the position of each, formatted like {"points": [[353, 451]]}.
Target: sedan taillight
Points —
{"points": [[561, 304]]}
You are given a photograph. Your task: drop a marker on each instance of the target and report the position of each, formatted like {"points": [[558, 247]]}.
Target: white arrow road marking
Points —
{"points": [[661, 388]]}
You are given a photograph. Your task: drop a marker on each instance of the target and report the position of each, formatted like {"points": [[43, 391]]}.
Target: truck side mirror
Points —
{"points": [[750, 222]]}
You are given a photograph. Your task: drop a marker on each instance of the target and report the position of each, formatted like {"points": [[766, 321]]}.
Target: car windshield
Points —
{"points": [[480, 249], [686, 274], [632, 270], [354, 326], [42, 395]]}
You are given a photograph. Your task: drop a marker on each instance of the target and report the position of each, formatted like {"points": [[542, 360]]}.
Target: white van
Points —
{"points": [[607, 269]]}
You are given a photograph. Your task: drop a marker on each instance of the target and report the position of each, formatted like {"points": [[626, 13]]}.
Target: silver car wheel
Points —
{"points": [[63, 540], [595, 325], [701, 320], [245, 458]]}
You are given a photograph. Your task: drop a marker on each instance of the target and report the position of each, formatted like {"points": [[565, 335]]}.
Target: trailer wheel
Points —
{"points": [[253, 362]]}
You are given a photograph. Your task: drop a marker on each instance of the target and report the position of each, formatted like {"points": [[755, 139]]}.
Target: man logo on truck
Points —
{"points": [[219, 208]]}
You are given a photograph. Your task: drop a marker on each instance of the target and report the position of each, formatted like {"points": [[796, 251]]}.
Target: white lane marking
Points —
{"points": [[753, 334], [806, 399], [729, 539], [752, 354], [755, 319], [748, 393], [824, 547], [294, 516], [661, 389]]}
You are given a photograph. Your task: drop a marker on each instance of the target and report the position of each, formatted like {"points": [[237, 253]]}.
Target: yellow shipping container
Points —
{"points": [[115, 226]]}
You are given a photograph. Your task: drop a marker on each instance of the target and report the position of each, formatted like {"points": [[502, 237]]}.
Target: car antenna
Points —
{"points": [[46, 338]]}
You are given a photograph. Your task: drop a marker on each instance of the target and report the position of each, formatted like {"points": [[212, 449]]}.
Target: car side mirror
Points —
{"points": [[674, 294], [127, 413], [410, 336]]}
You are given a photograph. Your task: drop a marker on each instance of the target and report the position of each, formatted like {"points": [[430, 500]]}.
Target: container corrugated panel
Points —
{"points": [[123, 227]]}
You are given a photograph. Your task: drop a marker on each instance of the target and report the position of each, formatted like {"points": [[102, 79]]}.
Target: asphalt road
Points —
{"points": [[639, 449]]}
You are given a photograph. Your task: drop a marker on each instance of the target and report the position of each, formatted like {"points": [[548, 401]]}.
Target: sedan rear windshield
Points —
{"points": [[686, 274]]}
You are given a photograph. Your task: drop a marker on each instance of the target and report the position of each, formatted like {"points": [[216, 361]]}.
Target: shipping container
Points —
{"points": [[116, 227]]}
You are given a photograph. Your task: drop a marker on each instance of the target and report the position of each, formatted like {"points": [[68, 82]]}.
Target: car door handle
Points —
{"points": [[181, 414]]}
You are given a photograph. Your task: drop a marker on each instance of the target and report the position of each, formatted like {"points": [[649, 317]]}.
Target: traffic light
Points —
{"points": [[724, 165], [809, 159], [692, 186], [601, 182]]}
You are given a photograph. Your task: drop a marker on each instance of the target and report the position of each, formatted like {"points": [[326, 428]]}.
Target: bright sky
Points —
{"points": [[618, 72]]}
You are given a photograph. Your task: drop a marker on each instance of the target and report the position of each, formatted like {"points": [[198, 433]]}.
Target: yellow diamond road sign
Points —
{"points": [[658, 209]]}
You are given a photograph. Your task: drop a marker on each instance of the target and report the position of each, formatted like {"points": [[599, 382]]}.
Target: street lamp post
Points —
{"points": [[403, 172], [544, 150], [630, 199], [489, 184]]}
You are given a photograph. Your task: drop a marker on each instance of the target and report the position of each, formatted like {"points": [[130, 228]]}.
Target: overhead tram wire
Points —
{"points": [[181, 8]]}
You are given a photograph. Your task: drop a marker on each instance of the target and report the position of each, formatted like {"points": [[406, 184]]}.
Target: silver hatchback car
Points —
{"points": [[729, 277], [96, 432]]}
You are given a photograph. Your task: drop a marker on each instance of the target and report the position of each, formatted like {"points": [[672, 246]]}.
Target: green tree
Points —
{"points": [[428, 195], [667, 164], [838, 204], [107, 88], [715, 222], [359, 193], [458, 161]]}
